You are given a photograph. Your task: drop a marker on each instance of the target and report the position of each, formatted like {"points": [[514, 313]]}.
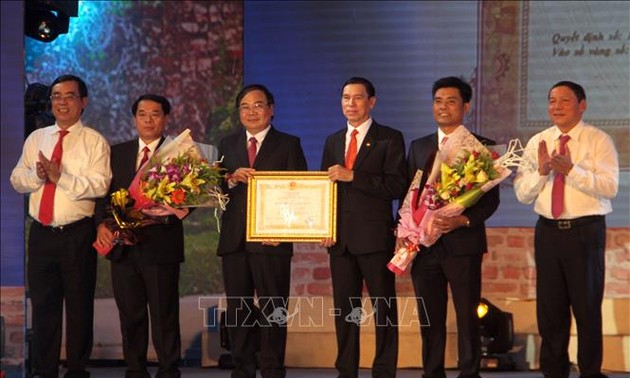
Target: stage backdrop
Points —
{"points": [[192, 52], [511, 52]]}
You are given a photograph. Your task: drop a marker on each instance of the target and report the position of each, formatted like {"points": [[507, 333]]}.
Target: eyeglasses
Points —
{"points": [[256, 107], [67, 97]]}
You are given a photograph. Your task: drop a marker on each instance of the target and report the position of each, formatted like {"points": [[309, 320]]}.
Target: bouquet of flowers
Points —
{"points": [[177, 177], [463, 170]]}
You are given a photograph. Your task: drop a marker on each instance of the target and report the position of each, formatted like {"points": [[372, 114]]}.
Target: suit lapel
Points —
{"points": [[369, 142], [128, 168], [162, 139], [267, 148], [435, 141], [430, 150], [340, 148], [241, 150]]}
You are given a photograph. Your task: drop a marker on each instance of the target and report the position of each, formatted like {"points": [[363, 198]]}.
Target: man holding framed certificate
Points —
{"points": [[367, 160], [261, 269]]}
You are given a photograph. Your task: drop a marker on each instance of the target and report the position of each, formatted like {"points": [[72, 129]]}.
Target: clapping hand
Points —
{"points": [[47, 169], [561, 163], [544, 159]]}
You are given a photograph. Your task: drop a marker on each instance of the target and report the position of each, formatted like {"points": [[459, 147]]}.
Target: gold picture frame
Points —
{"points": [[291, 207]]}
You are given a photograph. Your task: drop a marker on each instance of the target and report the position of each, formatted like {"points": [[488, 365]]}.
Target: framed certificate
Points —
{"points": [[291, 207]]}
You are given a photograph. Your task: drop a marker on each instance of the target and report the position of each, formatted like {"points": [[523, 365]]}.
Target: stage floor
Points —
{"points": [[323, 373]]}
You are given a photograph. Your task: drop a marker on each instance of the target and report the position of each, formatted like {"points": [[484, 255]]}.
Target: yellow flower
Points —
{"points": [[162, 191], [469, 173], [482, 177], [186, 172], [120, 198], [190, 181], [449, 175]]}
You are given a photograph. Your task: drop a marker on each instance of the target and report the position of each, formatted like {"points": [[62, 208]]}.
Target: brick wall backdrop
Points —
{"points": [[508, 274], [508, 267], [14, 323]]}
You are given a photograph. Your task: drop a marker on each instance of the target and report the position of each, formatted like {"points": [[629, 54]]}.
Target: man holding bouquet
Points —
{"points": [[145, 273], [251, 269], [455, 258], [571, 173]]}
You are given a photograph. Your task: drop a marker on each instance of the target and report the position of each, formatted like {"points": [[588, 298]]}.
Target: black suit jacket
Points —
{"points": [[278, 152], [163, 243], [464, 240], [365, 221]]}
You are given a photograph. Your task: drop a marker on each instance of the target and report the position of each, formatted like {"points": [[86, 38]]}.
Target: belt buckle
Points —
{"points": [[564, 224]]}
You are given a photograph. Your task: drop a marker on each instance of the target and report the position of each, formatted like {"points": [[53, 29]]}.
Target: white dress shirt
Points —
{"points": [[442, 135], [590, 185], [141, 145], [85, 171], [260, 137]]}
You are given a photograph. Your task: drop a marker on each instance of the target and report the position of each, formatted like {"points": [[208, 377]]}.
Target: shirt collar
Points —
{"points": [[442, 134], [152, 146], [362, 128], [72, 129], [260, 136], [574, 133]]}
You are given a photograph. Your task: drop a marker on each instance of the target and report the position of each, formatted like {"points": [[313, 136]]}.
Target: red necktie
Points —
{"points": [[443, 141], [48, 196], [557, 191], [251, 151], [351, 155], [145, 157]]}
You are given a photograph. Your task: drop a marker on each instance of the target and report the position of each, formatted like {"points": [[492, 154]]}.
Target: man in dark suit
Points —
{"points": [[146, 273], [455, 259], [255, 269], [367, 160]]}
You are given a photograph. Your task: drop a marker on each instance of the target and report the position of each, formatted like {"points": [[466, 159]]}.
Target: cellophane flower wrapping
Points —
{"points": [[463, 170], [176, 177], [125, 219], [408, 231]]}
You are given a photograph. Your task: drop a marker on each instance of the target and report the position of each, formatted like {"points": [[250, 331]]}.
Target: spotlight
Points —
{"points": [[45, 20], [45, 25], [497, 336]]}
